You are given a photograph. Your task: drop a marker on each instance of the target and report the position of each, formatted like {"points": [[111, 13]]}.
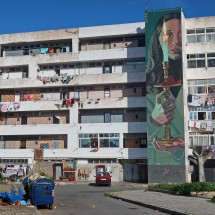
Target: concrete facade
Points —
{"points": [[106, 69], [108, 105]]}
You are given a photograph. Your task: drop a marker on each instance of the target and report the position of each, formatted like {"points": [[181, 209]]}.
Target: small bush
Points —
{"points": [[186, 188], [213, 199]]}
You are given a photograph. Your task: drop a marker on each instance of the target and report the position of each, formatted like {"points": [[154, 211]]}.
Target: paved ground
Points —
{"points": [[18, 210], [167, 203]]}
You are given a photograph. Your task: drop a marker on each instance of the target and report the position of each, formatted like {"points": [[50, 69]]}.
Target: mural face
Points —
{"points": [[164, 82]]}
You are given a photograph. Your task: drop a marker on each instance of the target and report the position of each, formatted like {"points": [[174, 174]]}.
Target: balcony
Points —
{"points": [[29, 153], [132, 77], [122, 102], [120, 153], [37, 105], [35, 129], [109, 54], [123, 127], [199, 73], [39, 59]]}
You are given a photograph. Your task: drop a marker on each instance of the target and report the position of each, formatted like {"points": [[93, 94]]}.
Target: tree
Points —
{"points": [[200, 155]]}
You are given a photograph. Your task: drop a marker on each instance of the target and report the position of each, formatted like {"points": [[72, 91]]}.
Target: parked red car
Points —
{"points": [[103, 178]]}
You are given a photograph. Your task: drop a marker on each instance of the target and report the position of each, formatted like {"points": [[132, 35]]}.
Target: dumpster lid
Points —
{"points": [[44, 181]]}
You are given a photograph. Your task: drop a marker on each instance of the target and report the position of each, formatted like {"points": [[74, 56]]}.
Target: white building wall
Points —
{"points": [[121, 74]]}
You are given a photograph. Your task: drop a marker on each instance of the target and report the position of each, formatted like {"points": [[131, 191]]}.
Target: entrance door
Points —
{"points": [[58, 170], [131, 172], [100, 168]]}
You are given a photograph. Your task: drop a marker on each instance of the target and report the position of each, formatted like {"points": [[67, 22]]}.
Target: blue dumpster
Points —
{"points": [[42, 192]]}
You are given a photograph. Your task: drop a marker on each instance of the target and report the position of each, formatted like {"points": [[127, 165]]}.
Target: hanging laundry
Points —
{"points": [[44, 50], [57, 50], [17, 106], [4, 108], [203, 125], [67, 49], [63, 103], [28, 97], [209, 126], [191, 124], [68, 79], [44, 80], [195, 101], [68, 102], [53, 79], [198, 124], [51, 50], [10, 106], [20, 172], [48, 80], [206, 102]]}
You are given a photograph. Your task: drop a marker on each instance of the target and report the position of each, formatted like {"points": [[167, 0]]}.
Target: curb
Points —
{"points": [[148, 205]]}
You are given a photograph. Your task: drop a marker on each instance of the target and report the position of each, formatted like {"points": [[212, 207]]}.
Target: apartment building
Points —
{"points": [[75, 97], [200, 53]]}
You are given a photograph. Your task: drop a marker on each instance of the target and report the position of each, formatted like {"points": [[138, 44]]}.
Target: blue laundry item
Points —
{"points": [[12, 197], [3, 196], [44, 50]]}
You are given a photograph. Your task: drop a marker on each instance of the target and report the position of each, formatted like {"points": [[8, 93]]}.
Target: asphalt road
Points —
{"points": [[82, 199]]}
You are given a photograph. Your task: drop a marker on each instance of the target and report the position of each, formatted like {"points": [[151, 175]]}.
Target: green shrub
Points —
{"points": [[213, 199], [186, 188]]}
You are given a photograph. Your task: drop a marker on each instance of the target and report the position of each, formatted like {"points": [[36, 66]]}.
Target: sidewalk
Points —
{"points": [[18, 210], [167, 203]]}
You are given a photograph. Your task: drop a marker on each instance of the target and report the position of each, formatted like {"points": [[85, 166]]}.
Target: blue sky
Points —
{"points": [[36, 15]]}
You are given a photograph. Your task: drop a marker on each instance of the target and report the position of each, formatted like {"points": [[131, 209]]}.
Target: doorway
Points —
{"points": [[57, 171]]}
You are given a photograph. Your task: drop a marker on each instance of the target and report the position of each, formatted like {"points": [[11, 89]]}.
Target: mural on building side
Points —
{"points": [[164, 83]]}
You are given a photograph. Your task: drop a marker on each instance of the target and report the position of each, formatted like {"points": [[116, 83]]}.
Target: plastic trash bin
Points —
{"points": [[42, 192]]}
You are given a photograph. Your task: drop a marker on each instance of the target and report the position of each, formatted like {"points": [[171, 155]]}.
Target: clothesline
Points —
{"points": [[6, 107], [64, 77], [201, 100], [204, 125]]}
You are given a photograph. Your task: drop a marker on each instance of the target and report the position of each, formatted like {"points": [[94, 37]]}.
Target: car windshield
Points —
{"points": [[103, 174]]}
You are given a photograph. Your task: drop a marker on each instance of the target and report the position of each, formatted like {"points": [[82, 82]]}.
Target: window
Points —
{"points": [[107, 117], [200, 35], [104, 140], [211, 59], [107, 69], [196, 60], [201, 115]]}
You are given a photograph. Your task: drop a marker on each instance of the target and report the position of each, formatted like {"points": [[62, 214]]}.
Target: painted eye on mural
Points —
{"points": [[170, 34]]}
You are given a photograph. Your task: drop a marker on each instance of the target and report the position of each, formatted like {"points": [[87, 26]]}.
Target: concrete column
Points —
{"points": [[75, 45]]}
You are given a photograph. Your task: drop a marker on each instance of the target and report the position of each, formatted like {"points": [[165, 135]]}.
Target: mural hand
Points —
{"points": [[163, 112]]}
